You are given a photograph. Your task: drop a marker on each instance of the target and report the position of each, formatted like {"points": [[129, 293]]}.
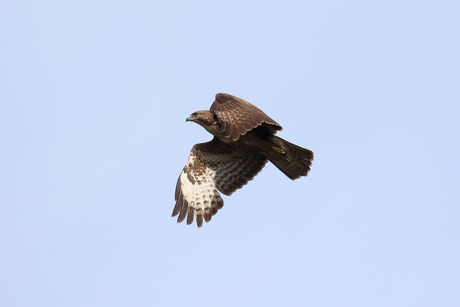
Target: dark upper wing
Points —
{"points": [[237, 116], [213, 166]]}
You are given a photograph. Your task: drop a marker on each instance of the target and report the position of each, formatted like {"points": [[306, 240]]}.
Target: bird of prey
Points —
{"points": [[244, 140]]}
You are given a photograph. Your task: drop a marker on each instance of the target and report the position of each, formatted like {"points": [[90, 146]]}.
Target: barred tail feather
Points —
{"points": [[294, 161]]}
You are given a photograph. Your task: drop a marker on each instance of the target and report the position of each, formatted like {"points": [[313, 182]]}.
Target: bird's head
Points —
{"points": [[205, 119], [201, 118]]}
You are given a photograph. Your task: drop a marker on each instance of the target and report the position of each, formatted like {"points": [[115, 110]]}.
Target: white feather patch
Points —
{"points": [[200, 191]]}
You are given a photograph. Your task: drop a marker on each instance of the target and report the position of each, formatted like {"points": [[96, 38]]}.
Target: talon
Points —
{"points": [[279, 150]]}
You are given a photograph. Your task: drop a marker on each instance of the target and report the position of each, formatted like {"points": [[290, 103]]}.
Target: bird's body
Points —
{"points": [[244, 140]]}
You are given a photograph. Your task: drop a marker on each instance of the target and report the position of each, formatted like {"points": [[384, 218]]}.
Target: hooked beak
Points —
{"points": [[191, 118]]}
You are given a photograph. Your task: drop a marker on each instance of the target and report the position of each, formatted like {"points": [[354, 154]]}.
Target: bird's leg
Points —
{"points": [[278, 150]]}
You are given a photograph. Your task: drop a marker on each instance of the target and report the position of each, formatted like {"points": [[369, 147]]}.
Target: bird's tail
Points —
{"points": [[294, 161]]}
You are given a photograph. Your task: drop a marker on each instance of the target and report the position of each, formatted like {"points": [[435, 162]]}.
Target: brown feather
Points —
{"points": [[178, 205], [190, 215], [295, 162], [199, 220], [183, 211], [237, 116]]}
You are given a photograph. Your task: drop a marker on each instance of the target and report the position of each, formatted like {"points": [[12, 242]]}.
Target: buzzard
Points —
{"points": [[244, 140]]}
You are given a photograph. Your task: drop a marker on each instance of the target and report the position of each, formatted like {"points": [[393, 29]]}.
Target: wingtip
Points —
{"points": [[199, 220]]}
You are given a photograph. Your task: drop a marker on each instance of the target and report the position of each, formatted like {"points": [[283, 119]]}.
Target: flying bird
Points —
{"points": [[244, 140]]}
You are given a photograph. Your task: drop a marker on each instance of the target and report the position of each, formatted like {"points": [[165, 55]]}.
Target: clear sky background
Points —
{"points": [[94, 97]]}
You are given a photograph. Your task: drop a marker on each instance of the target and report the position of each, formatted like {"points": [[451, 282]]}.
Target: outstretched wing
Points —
{"points": [[212, 167], [237, 116]]}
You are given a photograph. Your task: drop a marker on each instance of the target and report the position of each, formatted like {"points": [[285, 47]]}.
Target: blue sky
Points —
{"points": [[94, 96]]}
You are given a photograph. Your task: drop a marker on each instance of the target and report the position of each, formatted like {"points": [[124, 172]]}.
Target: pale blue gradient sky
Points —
{"points": [[94, 96]]}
